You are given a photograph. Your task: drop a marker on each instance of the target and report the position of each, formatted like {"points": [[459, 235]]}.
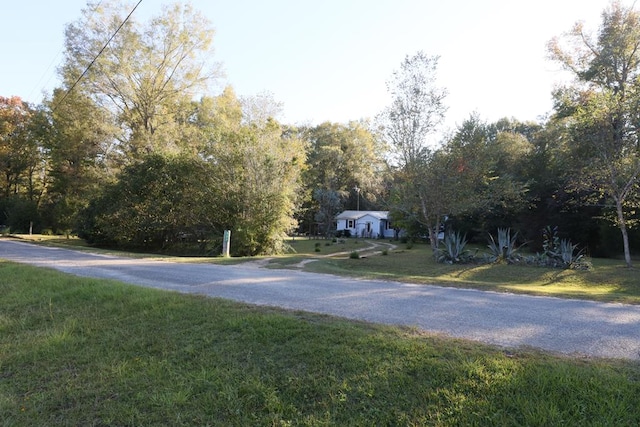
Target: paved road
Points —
{"points": [[573, 327]]}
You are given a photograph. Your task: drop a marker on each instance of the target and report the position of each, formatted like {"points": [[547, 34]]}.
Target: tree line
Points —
{"points": [[127, 152]]}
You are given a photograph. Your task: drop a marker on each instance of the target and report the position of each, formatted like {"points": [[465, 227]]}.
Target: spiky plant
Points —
{"points": [[453, 249], [504, 248]]}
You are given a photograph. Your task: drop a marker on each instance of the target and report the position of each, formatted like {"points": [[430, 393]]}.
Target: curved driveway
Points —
{"points": [[574, 327]]}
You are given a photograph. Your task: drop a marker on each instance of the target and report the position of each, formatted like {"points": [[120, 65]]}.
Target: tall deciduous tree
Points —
{"points": [[604, 108], [22, 168], [83, 156], [259, 167], [484, 169], [417, 109], [245, 177], [147, 75], [258, 109], [341, 157], [18, 145]]}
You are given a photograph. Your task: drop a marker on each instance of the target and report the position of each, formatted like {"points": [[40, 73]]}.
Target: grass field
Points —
{"points": [[77, 351], [608, 281]]}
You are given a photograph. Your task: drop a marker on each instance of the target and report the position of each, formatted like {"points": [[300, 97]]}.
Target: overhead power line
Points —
{"points": [[96, 57], [54, 60]]}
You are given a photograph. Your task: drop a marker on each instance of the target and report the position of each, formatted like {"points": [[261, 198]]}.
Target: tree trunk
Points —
{"points": [[433, 231], [622, 224], [433, 239]]}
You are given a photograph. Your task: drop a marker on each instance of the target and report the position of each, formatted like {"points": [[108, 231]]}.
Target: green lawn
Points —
{"points": [[609, 280], [77, 351]]}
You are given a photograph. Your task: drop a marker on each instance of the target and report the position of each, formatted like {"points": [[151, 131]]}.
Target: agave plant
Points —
{"points": [[561, 252], [453, 250], [504, 248], [567, 254]]}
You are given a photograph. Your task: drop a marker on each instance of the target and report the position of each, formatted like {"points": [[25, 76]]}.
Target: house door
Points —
{"points": [[368, 229]]}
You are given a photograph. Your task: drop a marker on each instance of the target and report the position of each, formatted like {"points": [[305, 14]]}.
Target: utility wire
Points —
{"points": [[96, 57], [55, 59]]}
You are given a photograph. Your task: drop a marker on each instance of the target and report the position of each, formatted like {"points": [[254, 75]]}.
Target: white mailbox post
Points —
{"points": [[226, 243]]}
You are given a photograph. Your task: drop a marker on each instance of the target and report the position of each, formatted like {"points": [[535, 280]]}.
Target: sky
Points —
{"points": [[330, 60]]}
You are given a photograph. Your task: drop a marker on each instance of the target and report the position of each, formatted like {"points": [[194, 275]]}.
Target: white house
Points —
{"points": [[369, 224]]}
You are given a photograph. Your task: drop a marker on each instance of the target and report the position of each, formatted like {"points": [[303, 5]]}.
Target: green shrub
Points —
{"points": [[343, 233], [19, 214], [47, 232], [354, 255], [385, 252]]}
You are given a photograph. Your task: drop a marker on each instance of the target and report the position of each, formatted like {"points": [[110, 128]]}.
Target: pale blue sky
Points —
{"points": [[329, 60]]}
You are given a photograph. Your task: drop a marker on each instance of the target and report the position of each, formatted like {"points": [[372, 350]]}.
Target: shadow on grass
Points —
{"points": [[607, 281]]}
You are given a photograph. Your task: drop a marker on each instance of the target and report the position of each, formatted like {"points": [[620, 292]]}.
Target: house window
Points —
{"points": [[349, 223], [389, 226]]}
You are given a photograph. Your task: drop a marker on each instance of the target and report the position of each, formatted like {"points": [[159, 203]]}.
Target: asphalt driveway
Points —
{"points": [[574, 327]]}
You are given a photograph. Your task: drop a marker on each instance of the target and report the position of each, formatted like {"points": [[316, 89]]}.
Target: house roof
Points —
{"points": [[359, 214]]}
